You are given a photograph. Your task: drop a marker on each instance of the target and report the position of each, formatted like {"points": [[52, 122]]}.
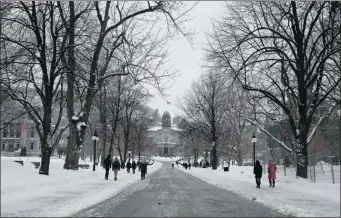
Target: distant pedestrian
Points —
{"points": [[185, 165], [189, 166], [116, 167], [107, 165], [172, 165], [272, 172], [177, 163], [258, 170], [133, 166], [128, 166]]}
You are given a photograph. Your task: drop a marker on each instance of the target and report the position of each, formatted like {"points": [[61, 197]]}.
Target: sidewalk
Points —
{"points": [[26, 193], [295, 197]]}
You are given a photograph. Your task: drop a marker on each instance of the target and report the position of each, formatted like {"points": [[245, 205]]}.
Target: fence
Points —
{"points": [[322, 168]]}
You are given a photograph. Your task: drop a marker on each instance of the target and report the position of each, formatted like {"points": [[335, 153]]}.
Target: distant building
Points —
{"points": [[21, 132], [18, 134], [166, 138]]}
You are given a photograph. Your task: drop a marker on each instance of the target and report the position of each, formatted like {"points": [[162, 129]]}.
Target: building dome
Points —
{"points": [[166, 113]]}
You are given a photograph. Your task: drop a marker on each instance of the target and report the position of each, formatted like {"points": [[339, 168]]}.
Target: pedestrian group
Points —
{"points": [[258, 171], [116, 166]]}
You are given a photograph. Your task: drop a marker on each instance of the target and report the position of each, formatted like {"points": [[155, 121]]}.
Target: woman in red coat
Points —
{"points": [[272, 172]]}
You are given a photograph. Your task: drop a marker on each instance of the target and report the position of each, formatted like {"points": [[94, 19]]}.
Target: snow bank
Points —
{"points": [[295, 197], [26, 193]]}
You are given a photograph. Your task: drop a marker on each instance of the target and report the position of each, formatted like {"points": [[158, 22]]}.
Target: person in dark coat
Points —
{"points": [[133, 166], [128, 166], [177, 163], [144, 165], [189, 166], [107, 165], [185, 165], [172, 165], [116, 167], [258, 171]]}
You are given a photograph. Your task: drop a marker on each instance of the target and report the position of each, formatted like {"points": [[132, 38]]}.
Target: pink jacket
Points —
{"points": [[272, 170]]}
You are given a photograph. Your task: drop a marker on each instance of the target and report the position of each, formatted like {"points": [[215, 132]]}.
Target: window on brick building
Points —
{"points": [[32, 131], [5, 133], [18, 132], [11, 130]]}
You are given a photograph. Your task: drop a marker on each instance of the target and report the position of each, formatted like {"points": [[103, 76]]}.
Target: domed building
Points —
{"points": [[166, 137]]}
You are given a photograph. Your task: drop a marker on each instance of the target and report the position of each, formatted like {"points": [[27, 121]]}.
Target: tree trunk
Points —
{"points": [[302, 157], [122, 161], [45, 160], [71, 163], [139, 159], [103, 121], [72, 156], [214, 157]]}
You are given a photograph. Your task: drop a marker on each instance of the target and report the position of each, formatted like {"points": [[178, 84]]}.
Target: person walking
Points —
{"points": [[128, 166], [107, 165], [172, 165], [116, 167], [133, 166], [189, 166], [258, 170], [143, 167], [272, 172]]}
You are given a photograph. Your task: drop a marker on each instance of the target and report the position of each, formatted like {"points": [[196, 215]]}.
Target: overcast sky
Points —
{"points": [[188, 59]]}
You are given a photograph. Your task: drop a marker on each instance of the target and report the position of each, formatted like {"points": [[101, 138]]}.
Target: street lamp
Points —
{"points": [[254, 140], [95, 139], [209, 159], [129, 153]]}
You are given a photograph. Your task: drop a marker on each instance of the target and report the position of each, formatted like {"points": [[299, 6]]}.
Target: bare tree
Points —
{"points": [[295, 39], [206, 106], [113, 25], [33, 42]]}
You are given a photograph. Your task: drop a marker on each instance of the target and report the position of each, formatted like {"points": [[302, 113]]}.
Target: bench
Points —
{"points": [[84, 166], [20, 162], [36, 164]]}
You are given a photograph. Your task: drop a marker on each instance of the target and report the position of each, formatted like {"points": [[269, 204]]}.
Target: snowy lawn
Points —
{"points": [[26, 193], [295, 197]]}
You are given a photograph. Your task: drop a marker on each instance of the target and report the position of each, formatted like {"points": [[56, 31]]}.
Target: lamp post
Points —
{"points": [[95, 139], [209, 159], [254, 140]]}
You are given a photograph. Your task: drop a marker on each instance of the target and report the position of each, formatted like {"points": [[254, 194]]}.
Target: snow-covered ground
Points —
{"points": [[296, 197], [165, 159], [26, 193]]}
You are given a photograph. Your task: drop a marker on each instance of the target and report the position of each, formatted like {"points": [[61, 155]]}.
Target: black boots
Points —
{"points": [[272, 183]]}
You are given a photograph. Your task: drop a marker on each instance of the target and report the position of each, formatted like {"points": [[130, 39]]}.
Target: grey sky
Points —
{"points": [[188, 59]]}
